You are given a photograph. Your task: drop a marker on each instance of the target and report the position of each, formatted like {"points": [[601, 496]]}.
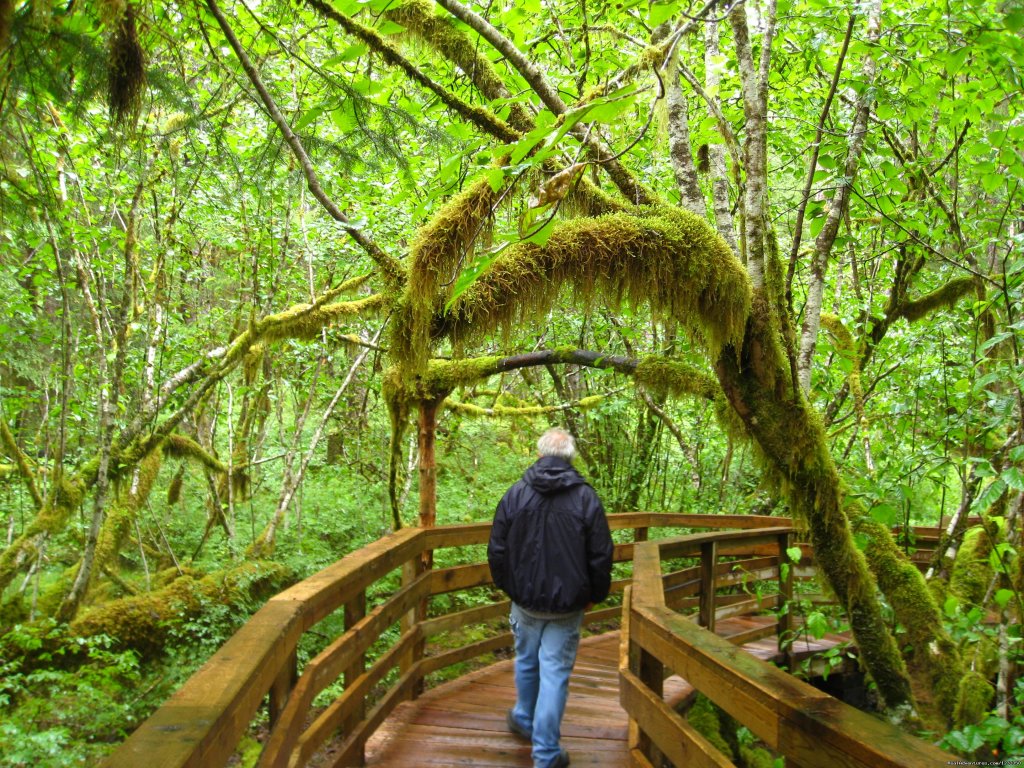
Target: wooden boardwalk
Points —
{"points": [[462, 722]]}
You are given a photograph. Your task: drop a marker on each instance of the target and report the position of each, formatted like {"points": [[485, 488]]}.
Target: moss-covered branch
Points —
{"points": [[144, 623], [506, 411], [943, 298], [481, 117], [22, 462], [419, 19], [669, 259]]}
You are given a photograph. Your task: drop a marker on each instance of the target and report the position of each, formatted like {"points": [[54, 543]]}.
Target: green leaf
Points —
{"points": [[950, 606], [886, 514], [955, 60], [992, 182], [308, 117], [1003, 597], [1013, 477], [541, 236], [472, 272], [1000, 554], [817, 625], [496, 178], [388, 27], [661, 12], [794, 554], [988, 497]]}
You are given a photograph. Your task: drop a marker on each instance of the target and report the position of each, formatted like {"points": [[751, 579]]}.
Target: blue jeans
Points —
{"points": [[545, 654]]}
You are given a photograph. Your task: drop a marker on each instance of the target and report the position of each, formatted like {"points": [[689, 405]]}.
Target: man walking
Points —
{"points": [[551, 552]]}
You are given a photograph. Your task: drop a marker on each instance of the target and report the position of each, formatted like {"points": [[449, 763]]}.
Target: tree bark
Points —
{"points": [[837, 207]]}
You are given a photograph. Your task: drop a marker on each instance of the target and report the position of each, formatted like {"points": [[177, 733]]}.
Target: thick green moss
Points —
{"points": [[972, 704], [972, 572], [946, 296], [669, 259], [144, 622], [703, 715]]}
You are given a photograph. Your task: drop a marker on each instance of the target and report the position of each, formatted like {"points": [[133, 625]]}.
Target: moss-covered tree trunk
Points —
{"points": [[756, 379]]}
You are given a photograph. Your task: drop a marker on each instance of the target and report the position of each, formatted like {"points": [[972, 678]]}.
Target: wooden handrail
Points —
{"points": [[793, 718], [203, 723]]}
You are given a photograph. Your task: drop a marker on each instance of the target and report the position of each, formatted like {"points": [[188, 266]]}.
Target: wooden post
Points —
{"points": [[282, 687], [785, 626], [651, 672], [427, 423], [708, 556], [411, 570], [355, 610]]}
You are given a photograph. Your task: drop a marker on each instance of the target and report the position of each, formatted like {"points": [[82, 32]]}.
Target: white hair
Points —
{"points": [[557, 442]]}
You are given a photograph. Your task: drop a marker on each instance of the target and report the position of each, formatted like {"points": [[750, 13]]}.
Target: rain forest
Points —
{"points": [[281, 278]]}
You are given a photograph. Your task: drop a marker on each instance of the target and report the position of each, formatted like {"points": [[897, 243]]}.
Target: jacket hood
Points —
{"points": [[551, 474]]}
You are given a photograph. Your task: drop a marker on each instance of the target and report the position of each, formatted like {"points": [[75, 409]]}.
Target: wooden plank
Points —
{"points": [[351, 750], [329, 589], [708, 556], [466, 652], [201, 724], [329, 665], [620, 520], [715, 667], [343, 711], [460, 619], [647, 590], [460, 577], [828, 732], [674, 736]]}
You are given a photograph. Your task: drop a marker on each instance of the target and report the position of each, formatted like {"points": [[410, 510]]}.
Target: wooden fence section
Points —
{"points": [[203, 723], [809, 727]]}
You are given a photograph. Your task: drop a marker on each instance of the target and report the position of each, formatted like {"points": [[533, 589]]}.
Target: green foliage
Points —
{"points": [[68, 707]]}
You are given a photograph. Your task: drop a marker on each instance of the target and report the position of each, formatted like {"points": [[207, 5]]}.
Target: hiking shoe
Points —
{"points": [[561, 761], [517, 729]]}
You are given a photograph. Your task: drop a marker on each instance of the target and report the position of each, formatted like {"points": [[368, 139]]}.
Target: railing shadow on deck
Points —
{"points": [[204, 722]]}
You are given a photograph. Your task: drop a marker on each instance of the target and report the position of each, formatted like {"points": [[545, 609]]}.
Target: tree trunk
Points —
{"points": [[756, 381]]}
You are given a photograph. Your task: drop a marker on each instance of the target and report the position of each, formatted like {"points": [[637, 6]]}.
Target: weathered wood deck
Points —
{"points": [[462, 722]]}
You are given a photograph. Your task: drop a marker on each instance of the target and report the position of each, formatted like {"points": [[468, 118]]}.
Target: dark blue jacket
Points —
{"points": [[550, 548]]}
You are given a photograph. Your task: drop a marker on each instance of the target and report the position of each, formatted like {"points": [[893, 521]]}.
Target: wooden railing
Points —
{"points": [[794, 719], [204, 722]]}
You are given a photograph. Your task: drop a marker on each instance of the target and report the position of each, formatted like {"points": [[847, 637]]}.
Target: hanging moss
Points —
{"points": [[670, 259], [126, 69], [975, 696]]}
